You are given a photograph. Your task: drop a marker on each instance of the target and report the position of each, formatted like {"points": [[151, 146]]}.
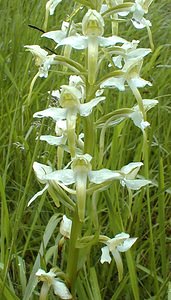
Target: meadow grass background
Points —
{"points": [[22, 228]]}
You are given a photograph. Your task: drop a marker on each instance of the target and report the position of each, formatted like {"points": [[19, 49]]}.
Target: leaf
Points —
{"points": [[51, 226]]}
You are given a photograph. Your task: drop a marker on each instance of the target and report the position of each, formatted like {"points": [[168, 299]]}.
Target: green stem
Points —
{"points": [[60, 154], [73, 253], [89, 135], [28, 100], [44, 291]]}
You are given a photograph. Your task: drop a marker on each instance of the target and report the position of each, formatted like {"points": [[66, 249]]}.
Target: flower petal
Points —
{"points": [[77, 42], [86, 108], [53, 140], [138, 53], [53, 112], [65, 227], [149, 103], [37, 51], [51, 5], [119, 264], [135, 184], [134, 166], [57, 35], [61, 290], [110, 41], [65, 176], [140, 82], [41, 170], [38, 194], [103, 175], [114, 82], [126, 245], [105, 257], [137, 118]]}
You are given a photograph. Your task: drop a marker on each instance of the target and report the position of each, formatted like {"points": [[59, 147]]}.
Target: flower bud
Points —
{"points": [[92, 24]]}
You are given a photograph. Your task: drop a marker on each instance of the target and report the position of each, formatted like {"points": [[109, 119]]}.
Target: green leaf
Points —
{"points": [[51, 226]]}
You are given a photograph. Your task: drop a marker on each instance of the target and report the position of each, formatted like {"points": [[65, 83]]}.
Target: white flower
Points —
{"points": [[120, 243], [133, 113], [65, 227], [129, 173], [40, 170], [137, 117], [79, 173], [139, 8], [42, 59], [51, 5], [69, 99], [129, 51], [59, 287], [131, 75], [56, 114], [92, 28]]}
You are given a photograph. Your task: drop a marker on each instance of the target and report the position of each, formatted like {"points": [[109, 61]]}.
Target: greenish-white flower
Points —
{"points": [[133, 113], [51, 280], [120, 243], [81, 171], [69, 99], [129, 173], [40, 170], [139, 9], [137, 117], [130, 75], [65, 227], [42, 59], [93, 29], [129, 51]]}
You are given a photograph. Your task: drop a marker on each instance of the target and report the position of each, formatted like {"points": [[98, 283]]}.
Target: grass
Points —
{"points": [[28, 233]]}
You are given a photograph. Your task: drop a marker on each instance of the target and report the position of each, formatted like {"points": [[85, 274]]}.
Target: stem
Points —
{"points": [[89, 138], [60, 154], [92, 58], [28, 100], [73, 251], [44, 291]]}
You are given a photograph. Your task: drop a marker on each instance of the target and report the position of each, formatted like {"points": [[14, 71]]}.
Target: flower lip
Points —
{"points": [[92, 24]]}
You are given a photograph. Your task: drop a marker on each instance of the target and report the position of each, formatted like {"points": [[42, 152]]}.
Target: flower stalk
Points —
{"points": [[71, 177]]}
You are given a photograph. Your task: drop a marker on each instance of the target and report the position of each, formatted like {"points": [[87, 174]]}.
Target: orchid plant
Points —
{"points": [[79, 172]]}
